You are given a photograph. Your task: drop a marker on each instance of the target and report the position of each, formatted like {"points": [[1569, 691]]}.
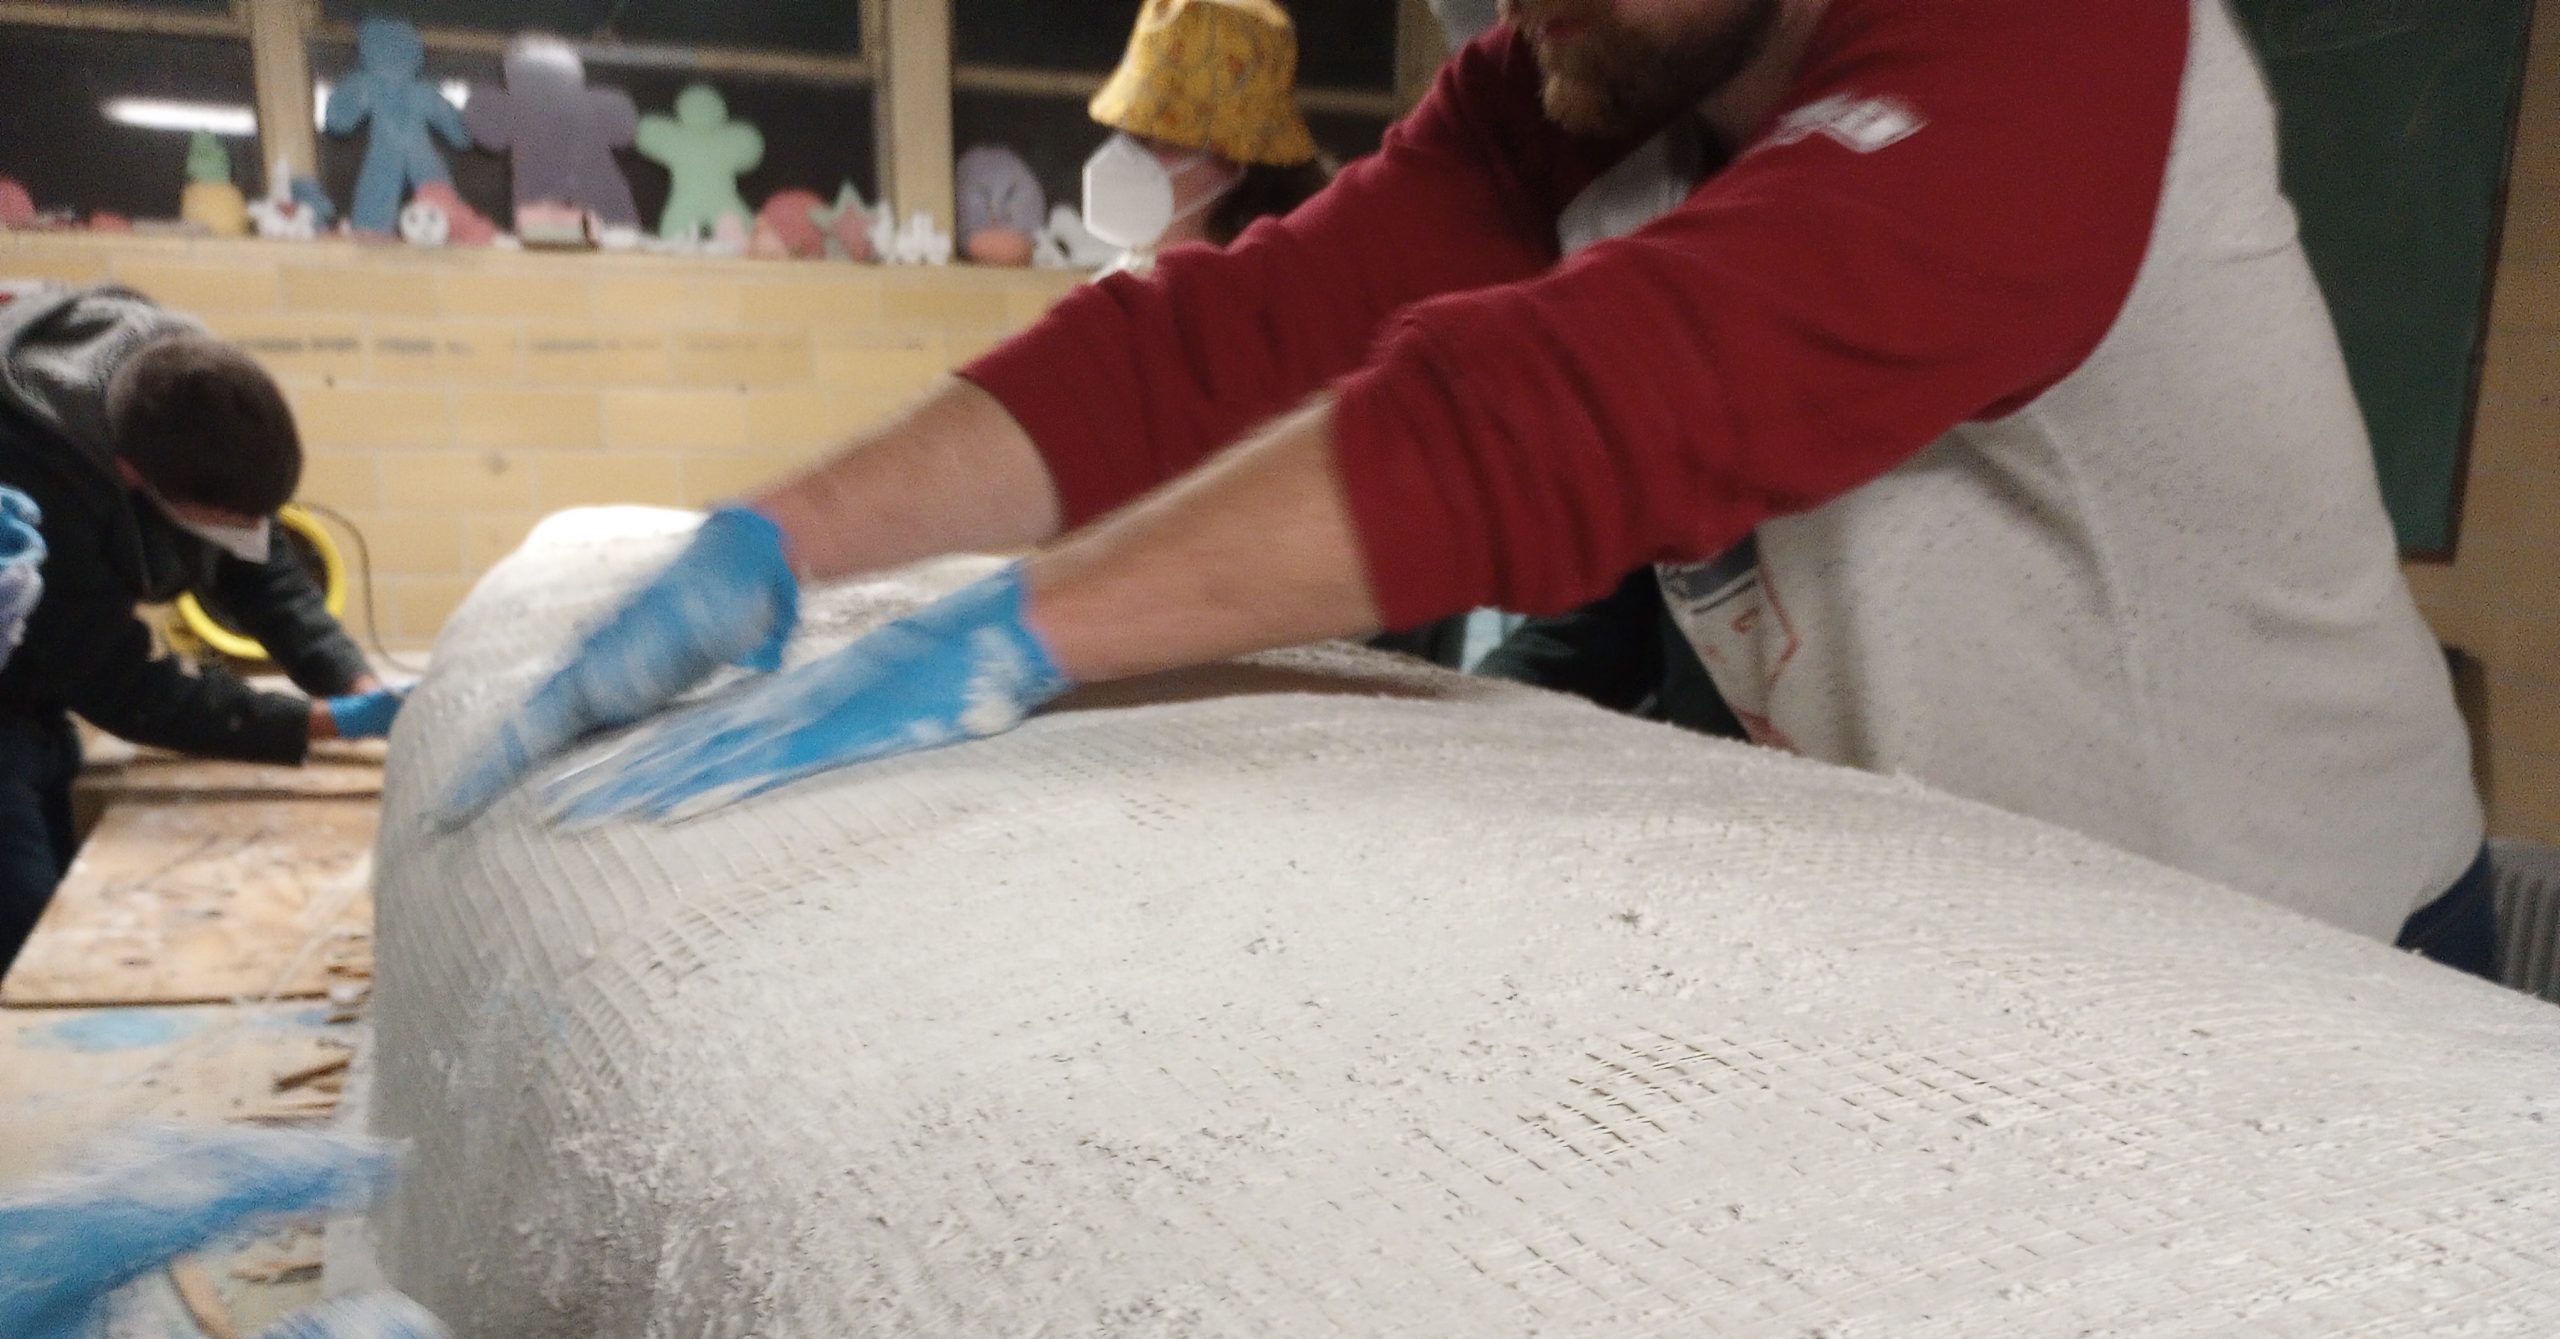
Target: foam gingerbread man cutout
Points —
{"points": [[561, 133], [704, 151], [407, 114]]}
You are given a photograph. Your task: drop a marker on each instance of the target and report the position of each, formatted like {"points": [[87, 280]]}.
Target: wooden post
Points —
{"points": [[280, 54], [1420, 48], [911, 45]]}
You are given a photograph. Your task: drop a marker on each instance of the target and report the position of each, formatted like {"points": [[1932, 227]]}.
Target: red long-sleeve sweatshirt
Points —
{"points": [[1516, 431], [1996, 340]]}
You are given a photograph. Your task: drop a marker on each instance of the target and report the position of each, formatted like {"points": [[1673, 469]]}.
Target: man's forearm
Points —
{"points": [[953, 472], [1253, 550]]}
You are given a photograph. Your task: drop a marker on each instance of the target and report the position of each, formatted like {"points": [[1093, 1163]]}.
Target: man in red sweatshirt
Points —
{"points": [[1980, 414]]}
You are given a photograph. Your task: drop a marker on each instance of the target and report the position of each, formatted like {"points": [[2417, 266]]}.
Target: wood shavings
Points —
{"points": [[297, 1258], [314, 1073], [307, 1107], [203, 1300]]}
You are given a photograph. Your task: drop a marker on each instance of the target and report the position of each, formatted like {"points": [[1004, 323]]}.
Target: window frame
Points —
{"points": [[905, 60]]}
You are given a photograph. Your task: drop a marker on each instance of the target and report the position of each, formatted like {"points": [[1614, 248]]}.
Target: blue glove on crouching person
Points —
{"points": [[964, 667], [367, 715], [728, 599]]}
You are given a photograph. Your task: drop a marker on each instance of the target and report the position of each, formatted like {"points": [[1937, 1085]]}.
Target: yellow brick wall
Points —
{"points": [[2500, 597], [450, 399]]}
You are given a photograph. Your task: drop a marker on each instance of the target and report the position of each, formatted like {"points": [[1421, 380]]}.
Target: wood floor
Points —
{"points": [[208, 958]]}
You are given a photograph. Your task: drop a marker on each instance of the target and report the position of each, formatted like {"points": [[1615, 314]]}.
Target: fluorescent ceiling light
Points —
{"points": [[455, 91], [222, 118]]}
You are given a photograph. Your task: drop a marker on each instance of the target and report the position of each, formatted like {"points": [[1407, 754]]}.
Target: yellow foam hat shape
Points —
{"points": [[1211, 74]]}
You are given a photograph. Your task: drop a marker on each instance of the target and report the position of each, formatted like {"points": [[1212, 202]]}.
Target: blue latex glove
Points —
{"points": [[729, 598], [962, 668], [367, 715], [156, 1193], [21, 566]]}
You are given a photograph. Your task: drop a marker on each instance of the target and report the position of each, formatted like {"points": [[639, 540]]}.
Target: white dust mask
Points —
{"points": [[248, 543], [1128, 193]]}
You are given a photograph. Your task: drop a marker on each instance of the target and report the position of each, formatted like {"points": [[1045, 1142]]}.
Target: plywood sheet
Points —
{"points": [[350, 767], [185, 900], [68, 1074]]}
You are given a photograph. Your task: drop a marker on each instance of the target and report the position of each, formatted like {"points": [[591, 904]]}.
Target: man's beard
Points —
{"points": [[1611, 82]]}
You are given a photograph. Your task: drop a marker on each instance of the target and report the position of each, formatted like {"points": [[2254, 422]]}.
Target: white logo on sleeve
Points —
{"points": [[1863, 124]]}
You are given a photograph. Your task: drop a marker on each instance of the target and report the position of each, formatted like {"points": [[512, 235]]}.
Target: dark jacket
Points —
{"points": [[1622, 651], [110, 548]]}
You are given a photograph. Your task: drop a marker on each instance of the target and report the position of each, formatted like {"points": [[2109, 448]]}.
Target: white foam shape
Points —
{"points": [[1326, 993], [919, 242], [884, 233], [1076, 243], [424, 223], [279, 216]]}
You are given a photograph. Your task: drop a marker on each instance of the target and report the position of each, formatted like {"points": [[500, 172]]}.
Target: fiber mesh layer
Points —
{"points": [[1323, 993]]}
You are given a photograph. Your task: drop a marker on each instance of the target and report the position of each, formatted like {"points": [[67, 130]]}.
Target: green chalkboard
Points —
{"points": [[2397, 120]]}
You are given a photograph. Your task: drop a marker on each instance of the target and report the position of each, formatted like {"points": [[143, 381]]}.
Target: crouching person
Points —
{"points": [[155, 456]]}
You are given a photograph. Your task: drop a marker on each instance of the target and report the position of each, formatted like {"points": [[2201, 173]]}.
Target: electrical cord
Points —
{"points": [[138, 1091], [364, 559]]}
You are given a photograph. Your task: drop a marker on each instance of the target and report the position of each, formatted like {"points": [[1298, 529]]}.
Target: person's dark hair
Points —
{"points": [[201, 422], [1266, 189]]}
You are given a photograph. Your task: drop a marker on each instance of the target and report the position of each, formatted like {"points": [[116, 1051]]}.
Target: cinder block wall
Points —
{"points": [[2500, 597], [448, 400]]}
